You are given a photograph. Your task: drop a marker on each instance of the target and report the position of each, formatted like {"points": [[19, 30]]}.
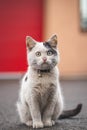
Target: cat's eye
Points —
{"points": [[38, 53], [49, 53]]}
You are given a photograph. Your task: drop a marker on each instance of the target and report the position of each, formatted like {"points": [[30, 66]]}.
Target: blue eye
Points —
{"points": [[38, 53], [49, 53]]}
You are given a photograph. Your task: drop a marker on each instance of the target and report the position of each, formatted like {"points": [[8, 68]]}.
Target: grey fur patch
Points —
{"points": [[26, 78], [48, 46]]}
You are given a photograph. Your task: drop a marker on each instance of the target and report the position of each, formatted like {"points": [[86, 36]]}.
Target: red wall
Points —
{"points": [[18, 18]]}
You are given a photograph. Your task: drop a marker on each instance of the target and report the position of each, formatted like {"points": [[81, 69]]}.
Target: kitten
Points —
{"points": [[40, 100]]}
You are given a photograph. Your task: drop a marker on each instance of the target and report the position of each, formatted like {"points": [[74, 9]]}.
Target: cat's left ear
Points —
{"points": [[53, 41], [30, 42]]}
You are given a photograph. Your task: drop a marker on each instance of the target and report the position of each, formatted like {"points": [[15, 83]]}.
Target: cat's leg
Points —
{"points": [[48, 111], [47, 114], [24, 113], [58, 109], [35, 111]]}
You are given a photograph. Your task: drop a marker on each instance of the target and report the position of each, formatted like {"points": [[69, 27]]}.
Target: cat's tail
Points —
{"points": [[71, 113]]}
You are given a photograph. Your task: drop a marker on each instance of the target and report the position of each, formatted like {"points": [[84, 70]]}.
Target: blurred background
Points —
{"points": [[40, 19]]}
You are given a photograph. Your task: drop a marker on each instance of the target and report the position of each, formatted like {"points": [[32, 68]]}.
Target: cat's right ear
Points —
{"points": [[30, 42]]}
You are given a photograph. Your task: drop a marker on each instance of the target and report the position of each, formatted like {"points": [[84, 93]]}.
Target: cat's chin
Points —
{"points": [[43, 66]]}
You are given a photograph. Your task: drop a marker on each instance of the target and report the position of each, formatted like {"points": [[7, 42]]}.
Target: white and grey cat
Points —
{"points": [[40, 100]]}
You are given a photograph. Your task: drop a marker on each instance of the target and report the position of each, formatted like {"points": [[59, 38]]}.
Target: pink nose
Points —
{"points": [[44, 59]]}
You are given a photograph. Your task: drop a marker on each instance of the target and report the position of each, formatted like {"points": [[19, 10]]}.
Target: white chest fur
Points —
{"points": [[42, 86]]}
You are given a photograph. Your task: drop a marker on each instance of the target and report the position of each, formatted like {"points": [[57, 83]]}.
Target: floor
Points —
{"points": [[74, 92]]}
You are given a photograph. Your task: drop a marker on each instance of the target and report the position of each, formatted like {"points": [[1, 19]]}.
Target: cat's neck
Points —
{"points": [[41, 72]]}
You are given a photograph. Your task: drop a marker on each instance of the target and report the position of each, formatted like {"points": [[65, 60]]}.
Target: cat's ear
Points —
{"points": [[53, 41], [30, 42]]}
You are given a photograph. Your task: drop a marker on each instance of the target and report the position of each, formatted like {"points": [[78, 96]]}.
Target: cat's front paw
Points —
{"points": [[38, 124], [29, 123], [48, 123]]}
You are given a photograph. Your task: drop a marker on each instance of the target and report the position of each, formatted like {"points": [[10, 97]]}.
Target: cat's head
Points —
{"points": [[42, 55]]}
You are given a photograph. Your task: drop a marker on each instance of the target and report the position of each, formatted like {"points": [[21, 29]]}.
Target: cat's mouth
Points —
{"points": [[44, 66]]}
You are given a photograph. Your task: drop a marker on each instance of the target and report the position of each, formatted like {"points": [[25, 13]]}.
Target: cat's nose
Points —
{"points": [[44, 59]]}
